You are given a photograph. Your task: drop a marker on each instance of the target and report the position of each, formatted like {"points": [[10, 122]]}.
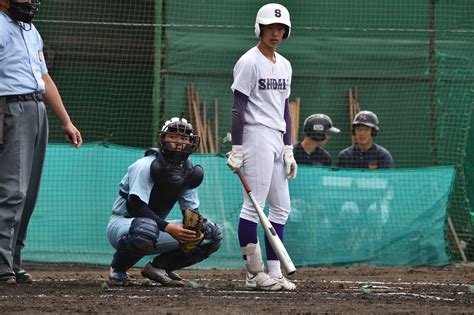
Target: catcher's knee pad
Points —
{"points": [[253, 258], [141, 237], [212, 237]]}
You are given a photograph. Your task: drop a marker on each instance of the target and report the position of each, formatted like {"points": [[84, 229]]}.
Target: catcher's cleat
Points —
{"points": [[173, 275], [118, 277], [160, 276], [22, 276], [262, 281], [285, 283]]}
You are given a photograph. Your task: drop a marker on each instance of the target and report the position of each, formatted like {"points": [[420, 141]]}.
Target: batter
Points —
{"points": [[261, 142]]}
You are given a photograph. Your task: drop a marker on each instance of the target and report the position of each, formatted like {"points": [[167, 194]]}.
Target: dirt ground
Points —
{"points": [[67, 288]]}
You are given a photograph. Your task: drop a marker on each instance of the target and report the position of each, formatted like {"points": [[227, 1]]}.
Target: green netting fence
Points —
{"points": [[124, 68], [392, 217]]}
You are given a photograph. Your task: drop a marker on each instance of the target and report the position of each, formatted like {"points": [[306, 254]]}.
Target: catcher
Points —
{"points": [[148, 192]]}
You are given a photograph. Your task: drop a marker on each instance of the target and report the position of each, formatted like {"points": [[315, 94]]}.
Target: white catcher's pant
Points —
{"points": [[265, 173]]}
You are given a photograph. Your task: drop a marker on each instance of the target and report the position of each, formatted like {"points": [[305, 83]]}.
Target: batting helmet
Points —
{"points": [[177, 126], [316, 126], [366, 118], [270, 14]]}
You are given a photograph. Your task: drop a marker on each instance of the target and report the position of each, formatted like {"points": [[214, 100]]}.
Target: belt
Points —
{"points": [[24, 97]]}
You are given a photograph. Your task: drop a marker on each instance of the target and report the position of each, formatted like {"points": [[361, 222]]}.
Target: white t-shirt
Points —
{"points": [[266, 84]]}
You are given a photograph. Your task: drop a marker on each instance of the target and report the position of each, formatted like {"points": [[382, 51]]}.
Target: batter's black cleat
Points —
{"points": [[22, 276]]}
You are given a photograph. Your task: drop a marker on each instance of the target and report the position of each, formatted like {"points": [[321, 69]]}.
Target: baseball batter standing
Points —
{"points": [[261, 142], [24, 83]]}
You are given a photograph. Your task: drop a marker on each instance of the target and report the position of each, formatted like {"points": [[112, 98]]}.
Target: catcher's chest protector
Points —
{"points": [[170, 182]]}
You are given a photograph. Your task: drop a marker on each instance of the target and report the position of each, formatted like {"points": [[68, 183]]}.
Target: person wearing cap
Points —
{"points": [[365, 153], [318, 129]]}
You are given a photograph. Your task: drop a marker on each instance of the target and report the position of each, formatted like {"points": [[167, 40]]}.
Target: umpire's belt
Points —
{"points": [[24, 97]]}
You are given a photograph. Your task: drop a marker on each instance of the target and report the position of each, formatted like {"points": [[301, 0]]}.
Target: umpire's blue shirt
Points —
{"points": [[22, 63]]}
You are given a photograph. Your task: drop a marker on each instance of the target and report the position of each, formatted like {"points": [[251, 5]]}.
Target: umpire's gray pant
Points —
{"points": [[21, 162]]}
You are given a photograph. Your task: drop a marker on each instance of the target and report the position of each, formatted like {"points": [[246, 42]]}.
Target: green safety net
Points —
{"points": [[383, 217], [123, 69]]}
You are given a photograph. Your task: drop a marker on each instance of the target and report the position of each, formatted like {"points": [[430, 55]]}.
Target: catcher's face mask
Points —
{"points": [[23, 11], [176, 148], [177, 140]]}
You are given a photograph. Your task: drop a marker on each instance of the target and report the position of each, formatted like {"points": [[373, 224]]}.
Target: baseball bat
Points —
{"points": [[270, 232]]}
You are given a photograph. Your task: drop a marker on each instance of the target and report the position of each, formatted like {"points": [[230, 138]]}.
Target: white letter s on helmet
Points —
{"points": [[270, 14]]}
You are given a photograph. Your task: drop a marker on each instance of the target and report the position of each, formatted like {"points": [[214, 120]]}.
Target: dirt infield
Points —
{"points": [[84, 289]]}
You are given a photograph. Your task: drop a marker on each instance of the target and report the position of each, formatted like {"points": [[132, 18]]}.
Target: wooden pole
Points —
{"points": [[216, 124], [195, 103], [205, 135], [354, 108], [351, 114], [456, 239]]}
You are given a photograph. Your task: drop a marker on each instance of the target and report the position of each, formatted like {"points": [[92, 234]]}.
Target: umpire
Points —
{"points": [[24, 83]]}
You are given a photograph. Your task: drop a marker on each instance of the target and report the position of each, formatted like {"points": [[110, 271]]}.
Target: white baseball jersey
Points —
{"points": [[266, 84]]}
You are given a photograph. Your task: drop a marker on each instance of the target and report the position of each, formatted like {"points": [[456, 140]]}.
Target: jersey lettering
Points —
{"points": [[272, 84]]}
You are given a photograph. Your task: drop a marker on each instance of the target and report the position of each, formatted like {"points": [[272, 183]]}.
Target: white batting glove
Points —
{"points": [[236, 157], [290, 163]]}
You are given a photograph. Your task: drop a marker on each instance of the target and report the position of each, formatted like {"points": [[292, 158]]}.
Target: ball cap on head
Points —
{"points": [[273, 13]]}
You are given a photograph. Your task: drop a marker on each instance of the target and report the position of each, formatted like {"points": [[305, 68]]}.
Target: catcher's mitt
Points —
{"points": [[192, 220]]}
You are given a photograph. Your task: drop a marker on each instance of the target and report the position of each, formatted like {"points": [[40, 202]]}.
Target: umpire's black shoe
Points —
{"points": [[7, 276], [7, 279], [22, 276]]}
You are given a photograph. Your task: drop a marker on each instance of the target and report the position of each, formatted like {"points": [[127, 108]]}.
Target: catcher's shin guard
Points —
{"points": [[253, 258], [137, 243], [124, 260], [178, 259]]}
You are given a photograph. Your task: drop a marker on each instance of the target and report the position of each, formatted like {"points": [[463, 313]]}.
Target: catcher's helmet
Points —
{"points": [[366, 118], [270, 14], [178, 126], [316, 126]]}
